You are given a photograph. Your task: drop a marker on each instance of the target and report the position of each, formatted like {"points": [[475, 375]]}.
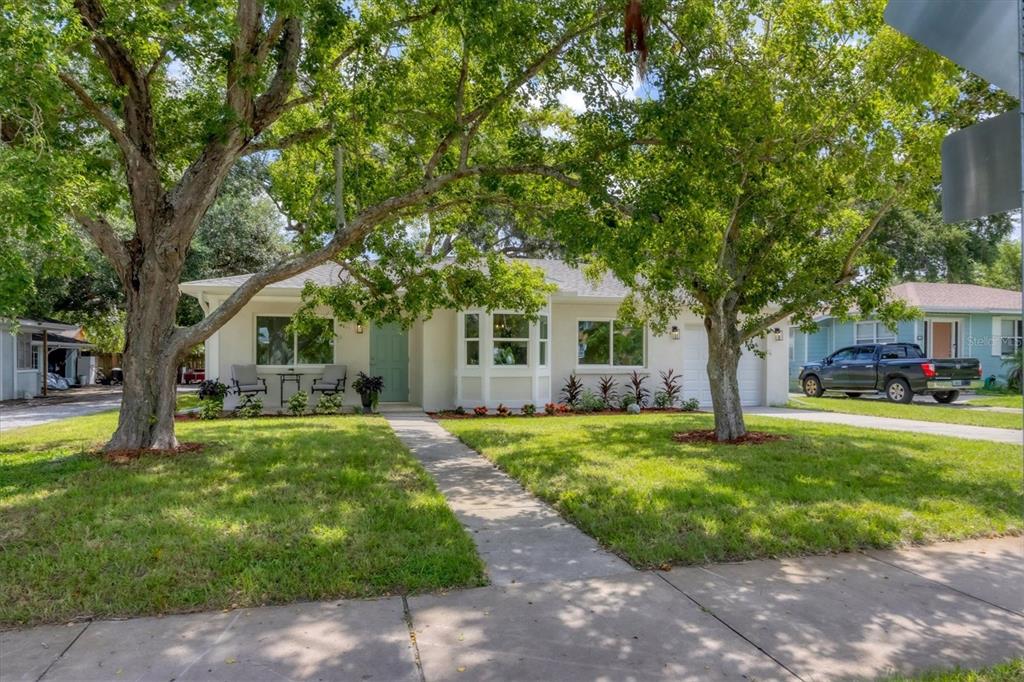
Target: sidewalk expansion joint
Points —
{"points": [[70, 644]]}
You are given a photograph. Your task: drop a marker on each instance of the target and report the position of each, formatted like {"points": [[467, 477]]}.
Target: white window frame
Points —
{"points": [[295, 342], [1018, 337], [22, 343], [888, 336], [543, 340], [517, 339], [611, 347], [467, 339]]}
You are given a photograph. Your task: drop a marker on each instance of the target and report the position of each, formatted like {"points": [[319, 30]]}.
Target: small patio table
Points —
{"points": [[290, 376]]}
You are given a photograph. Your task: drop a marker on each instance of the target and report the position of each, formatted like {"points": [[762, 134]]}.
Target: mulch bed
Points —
{"points": [[704, 436], [540, 413], [126, 456]]}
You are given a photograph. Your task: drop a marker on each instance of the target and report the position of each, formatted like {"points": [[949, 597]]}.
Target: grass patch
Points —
{"points": [[270, 511], [186, 401], [1011, 671], [1014, 400], [623, 480], [946, 414]]}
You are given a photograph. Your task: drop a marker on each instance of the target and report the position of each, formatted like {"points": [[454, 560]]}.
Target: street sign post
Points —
{"points": [[981, 165]]}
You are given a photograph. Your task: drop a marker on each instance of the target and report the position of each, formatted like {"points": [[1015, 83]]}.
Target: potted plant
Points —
{"points": [[369, 389]]}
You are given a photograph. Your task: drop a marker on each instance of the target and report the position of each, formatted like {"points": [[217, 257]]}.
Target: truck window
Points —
{"points": [[843, 355], [893, 352], [914, 351], [865, 353]]}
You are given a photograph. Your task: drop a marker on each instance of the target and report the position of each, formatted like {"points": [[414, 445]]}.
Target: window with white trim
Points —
{"points": [[873, 332], [26, 358], [471, 333], [542, 344], [511, 339], [277, 345], [609, 343], [1011, 335]]}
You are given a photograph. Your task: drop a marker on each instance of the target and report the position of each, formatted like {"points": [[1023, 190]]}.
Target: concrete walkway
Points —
{"points": [[520, 538], [889, 424], [851, 616]]}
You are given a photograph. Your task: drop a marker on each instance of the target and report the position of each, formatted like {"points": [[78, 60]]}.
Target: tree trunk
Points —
{"points": [[150, 361], [724, 348]]}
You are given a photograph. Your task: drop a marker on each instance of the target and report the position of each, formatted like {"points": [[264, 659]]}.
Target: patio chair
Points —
{"points": [[331, 381], [246, 383]]}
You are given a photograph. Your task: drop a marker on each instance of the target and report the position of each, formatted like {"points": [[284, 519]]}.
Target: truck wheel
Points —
{"points": [[812, 387], [898, 391], [853, 395], [946, 397]]}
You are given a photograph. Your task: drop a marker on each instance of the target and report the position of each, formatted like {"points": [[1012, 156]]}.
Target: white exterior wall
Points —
{"points": [[439, 350], [434, 354], [235, 344]]}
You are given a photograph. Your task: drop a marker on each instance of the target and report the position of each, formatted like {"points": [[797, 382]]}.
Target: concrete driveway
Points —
{"points": [[64, 405]]}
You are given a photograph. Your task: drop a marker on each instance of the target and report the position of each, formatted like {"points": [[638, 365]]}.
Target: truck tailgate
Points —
{"points": [[956, 368]]}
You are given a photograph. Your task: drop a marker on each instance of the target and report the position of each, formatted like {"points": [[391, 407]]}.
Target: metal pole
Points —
{"points": [[46, 355], [1020, 98]]}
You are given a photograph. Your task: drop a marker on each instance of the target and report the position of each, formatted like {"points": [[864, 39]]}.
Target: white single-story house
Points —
{"points": [[21, 355], [471, 358]]}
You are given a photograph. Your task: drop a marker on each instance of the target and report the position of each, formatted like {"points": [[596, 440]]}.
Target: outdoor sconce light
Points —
{"points": [[674, 332], [359, 327], [778, 333]]}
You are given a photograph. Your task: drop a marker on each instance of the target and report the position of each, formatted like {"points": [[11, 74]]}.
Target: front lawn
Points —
{"points": [[998, 400], [1011, 671], [948, 414], [623, 480], [272, 510]]}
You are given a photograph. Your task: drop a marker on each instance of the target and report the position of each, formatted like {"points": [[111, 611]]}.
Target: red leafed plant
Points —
{"points": [[503, 411], [480, 411]]}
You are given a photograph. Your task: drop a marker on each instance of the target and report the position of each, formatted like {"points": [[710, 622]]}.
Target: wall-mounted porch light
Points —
{"points": [[359, 327], [674, 332], [777, 331]]}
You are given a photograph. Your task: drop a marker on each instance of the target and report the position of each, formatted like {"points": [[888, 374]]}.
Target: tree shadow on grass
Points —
{"points": [[655, 501], [267, 513]]}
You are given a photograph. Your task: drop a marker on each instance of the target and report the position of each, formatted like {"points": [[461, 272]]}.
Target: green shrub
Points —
{"points": [[253, 408], [690, 405], [589, 402], [459, 409], [529, 409], [298, 402], [328, 404], [211, 408], [627, 400], [662, 400]]}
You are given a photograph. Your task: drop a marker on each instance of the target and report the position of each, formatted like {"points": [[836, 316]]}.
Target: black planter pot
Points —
{"points": [[367, 401]]}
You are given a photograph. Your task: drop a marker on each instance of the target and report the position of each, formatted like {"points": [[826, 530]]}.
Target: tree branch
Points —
{"points": [[100, 115], [289, 140], [106, 240]]}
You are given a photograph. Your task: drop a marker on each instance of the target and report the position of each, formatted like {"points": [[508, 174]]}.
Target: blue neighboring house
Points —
{"points": [[959, 320]]}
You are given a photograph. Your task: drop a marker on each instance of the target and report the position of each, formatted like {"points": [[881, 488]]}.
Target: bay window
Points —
{"points": [[511, 333], [472, 336], [276, 344], [609, 343]]}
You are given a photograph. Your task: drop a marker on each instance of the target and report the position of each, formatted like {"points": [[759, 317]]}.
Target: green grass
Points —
{"points": [[272, 510], [930, 413], [998, 400], [623, 480], [186, 401], [1011, 671]]}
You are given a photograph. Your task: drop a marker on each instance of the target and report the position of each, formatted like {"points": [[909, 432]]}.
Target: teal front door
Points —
{"points": [[389, 358]]}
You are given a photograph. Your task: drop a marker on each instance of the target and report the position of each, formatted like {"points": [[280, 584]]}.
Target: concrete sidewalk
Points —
{"points": [[889, 424], [520, 538], [854, 616]]}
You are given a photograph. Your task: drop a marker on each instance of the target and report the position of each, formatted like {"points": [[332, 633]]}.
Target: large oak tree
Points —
{"points": [[125, 118], [775, 137]]}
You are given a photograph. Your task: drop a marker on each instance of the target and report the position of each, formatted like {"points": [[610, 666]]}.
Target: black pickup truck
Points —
{"points": [[899, 370]]}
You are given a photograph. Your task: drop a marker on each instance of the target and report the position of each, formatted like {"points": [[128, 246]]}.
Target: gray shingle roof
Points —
{"points": [[569, 280], [939, 296]]}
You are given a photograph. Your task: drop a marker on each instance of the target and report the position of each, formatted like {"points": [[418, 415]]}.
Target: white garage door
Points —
{"points": [[695, 375]]}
